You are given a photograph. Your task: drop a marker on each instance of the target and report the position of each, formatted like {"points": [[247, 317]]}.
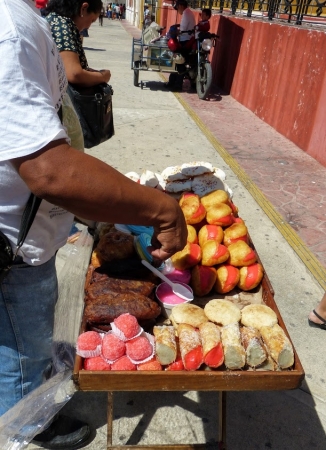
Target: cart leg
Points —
{"points": [[110, 420], [222, 420]]}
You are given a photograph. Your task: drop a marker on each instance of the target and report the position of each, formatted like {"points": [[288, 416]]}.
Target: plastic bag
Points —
{"points": [[35, 411]]}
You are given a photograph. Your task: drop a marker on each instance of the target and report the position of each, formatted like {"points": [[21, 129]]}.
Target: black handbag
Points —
{"points": [[93, 106]]}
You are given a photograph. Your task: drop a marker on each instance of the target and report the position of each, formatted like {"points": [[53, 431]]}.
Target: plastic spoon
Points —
{"points": [[178, 289]]}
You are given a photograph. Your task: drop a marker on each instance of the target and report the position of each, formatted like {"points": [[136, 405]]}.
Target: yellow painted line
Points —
{"points": [[292, 238]]}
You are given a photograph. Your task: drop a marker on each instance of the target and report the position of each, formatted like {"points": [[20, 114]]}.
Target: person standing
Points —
{"points": [[36, 157], [100, 19], [187, 23], [66, 19]]}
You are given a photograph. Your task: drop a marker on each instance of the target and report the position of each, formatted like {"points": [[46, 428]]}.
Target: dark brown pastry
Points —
{"points": [[108, 285], [115, 245], [106, 307]]}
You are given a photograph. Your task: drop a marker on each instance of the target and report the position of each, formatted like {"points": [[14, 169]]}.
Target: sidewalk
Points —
{"points": [[269, 177]]}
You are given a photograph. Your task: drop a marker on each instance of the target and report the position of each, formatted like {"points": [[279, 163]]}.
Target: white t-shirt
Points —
{"points": [[33, 83], [188, 22]]}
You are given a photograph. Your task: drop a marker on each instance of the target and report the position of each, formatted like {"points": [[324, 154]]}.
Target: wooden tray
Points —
{"points": [[200, 380]]}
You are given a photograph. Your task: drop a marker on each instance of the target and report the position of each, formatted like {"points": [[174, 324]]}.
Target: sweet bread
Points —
{"points": [[192, 208], [222, 312], [115, 245], [250, 276], [188, 257], [210, 233], [241, 254], [188, 313], [227, 278], [202, 279], [257, 316]]}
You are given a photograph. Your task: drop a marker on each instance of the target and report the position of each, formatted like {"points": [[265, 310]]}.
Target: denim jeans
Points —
{"points": [[28, 295]]}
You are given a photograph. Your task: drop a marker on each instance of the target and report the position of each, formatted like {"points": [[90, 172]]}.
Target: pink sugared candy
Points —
{"points": [[153, 364], [179, 276], [112, 347], [128, 324], [123, 363], [139, 348], [89, 344], [96, 363]]}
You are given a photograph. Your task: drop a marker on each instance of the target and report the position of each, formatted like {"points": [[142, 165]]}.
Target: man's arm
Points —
{"points": [[89, 188]]}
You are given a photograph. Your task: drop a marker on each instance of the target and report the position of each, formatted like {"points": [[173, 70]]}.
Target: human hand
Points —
{"points": [[106, 75], [167, 241]]}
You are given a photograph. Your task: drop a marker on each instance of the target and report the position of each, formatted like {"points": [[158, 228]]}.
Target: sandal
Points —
{"points": [[322, 326]]}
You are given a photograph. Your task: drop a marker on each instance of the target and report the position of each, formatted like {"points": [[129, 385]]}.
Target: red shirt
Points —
{"points": [[40, 3]]}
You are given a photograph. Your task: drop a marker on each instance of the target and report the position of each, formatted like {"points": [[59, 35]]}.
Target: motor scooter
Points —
{"points": [[192, 59]]}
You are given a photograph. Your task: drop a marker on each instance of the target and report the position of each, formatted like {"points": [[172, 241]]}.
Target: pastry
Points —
{"points": [[187, 258], [222, 312], [258, 316], [278, 345], [227, 278], [235, 232], [202, 279], [234, 353], [220, 215], [252, 343], [192, 235], [196, 168], [190, 347], [215, 198], [241, 254], [108, 285], [210, 336], [105, 308], [165, 344], [173, 174], [250, 276], [115, 245], [214, 253], [204, 184], [188, 313], [192, 208], [210, 233]]}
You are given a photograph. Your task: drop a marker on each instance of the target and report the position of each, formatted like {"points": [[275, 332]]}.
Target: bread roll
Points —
{"points": [[165, 344], [255, 350], [227, 277], [234, 353], [214, 253], [222, 312], [250, 276], [220, 215], [215, 198], [241, 254], [234, 233], [210, 233], [212, 346], [188, 257], [278, 345], [190, 347], [189, 314], [192, 208], [258, 316]]}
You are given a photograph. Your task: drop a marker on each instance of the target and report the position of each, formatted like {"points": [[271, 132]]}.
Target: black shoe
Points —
{"points": [[64, 433]]}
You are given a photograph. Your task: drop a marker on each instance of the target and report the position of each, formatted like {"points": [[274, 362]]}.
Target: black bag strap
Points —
{"points": [[28, 216], [30, 210]]}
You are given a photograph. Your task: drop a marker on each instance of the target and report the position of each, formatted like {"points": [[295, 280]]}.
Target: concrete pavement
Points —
{"points": [[156, 129]]}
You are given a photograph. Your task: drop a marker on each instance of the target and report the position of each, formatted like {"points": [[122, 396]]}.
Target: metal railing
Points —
{"points": [[291, 11]]}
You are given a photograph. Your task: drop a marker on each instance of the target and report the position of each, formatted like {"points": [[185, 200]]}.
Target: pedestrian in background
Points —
{"points": [[100, 19]]}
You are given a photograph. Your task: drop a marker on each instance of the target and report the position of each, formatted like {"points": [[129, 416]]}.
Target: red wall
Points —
{"points": [[275, 70]]}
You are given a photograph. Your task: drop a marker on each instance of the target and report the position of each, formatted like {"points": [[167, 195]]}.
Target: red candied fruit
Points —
{"points": [[153, 364], [89, 340], [123, 363], [96, 363], [127, 324], [112, 347], [139, 348]]}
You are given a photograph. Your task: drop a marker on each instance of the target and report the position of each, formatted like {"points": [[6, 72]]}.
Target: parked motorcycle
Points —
{"points": [[192, 59]]}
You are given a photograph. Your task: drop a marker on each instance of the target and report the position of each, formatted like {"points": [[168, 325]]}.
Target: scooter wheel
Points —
{"points": [[204, 80]]}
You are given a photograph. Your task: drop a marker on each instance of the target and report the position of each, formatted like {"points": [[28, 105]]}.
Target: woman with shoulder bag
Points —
{"points": [[67, 18]]}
